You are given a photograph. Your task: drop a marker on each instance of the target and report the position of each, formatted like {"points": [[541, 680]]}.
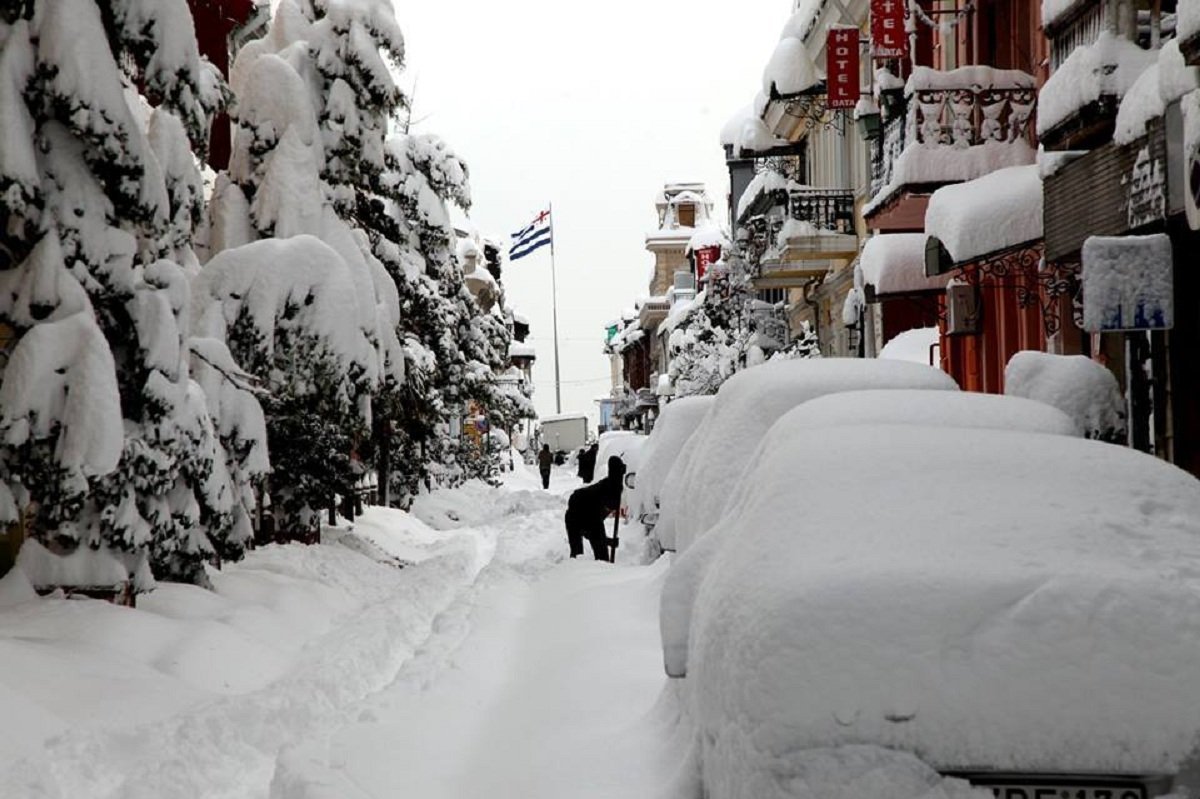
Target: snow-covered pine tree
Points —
{"points": [[319, 327], [105, 441], [415, 241]]}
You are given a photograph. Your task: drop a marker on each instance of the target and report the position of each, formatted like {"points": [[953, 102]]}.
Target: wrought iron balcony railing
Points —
{"points": [[956, 111]]}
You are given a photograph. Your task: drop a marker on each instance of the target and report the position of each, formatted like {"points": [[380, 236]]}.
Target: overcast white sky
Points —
{"points": [[591, 107]]}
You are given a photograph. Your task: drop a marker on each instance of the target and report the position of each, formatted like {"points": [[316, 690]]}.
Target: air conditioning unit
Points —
{"points": [[963, 310]]}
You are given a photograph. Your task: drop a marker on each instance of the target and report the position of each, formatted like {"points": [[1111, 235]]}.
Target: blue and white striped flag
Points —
{"points": [[536, 234]]}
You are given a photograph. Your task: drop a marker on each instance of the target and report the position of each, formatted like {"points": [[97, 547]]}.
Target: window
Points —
{"points": [[687, 215]]}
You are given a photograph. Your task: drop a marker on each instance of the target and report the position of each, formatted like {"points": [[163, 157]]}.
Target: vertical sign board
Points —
{"points": [[888, 39], [705, 257], [1127, 283], [841, 67]]}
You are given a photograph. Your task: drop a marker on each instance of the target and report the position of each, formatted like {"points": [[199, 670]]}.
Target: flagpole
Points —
{"points": [[554, 299]]}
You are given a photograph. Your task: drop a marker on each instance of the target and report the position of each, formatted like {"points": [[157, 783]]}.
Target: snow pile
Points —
{"points": [[1187, 18], [1107, 68], [918, 346], [764, 182], [791, 70], [196, 692], [1075, 384], [1003, 600], [988, 214], [1050, 161], [1160, 85], [745, 131], [475, 503], [1128, 282], [894, 263], [745, 408], [676, 423]]}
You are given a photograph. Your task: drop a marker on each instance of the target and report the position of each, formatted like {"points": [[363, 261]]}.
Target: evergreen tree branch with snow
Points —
{"points": [[107, 443]]}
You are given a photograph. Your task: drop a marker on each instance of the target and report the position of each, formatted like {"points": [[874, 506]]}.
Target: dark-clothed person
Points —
{"points": [[588, 508], [587, 462], [545, 460]]}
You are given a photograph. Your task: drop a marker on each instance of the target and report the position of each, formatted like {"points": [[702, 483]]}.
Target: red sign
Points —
{"points": [[705, 257], [888, 39], [841, 67]]}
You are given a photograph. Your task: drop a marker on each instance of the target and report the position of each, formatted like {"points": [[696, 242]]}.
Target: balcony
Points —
{"points": [[948, 127], [795, 233]]}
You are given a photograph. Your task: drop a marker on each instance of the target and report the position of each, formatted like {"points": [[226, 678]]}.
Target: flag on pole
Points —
{"points": [[536, 234]]}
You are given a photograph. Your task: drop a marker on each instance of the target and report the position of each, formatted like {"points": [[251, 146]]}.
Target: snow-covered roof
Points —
{"points": [[989, 214], [803, 20], [1161, 84], [745, 131], [520, 319], [707, 236], [790, 70], [766, 181], [680, 311], [519, 349], [894, 263], [560, 417], [1109, 67]]}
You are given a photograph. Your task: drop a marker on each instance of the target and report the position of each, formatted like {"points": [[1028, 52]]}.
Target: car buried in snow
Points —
{"points": [[1017, 609]]}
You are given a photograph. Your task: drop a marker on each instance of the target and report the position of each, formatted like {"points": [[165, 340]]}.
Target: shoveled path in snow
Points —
{"points": [[544, 680]]}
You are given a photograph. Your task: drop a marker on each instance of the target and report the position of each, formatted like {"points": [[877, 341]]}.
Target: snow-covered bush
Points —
{"points": [[1076, 385], [105, 439]]}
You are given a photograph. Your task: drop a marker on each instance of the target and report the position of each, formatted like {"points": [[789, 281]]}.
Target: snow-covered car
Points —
{"points": [[696, 490], [676, 423], [954, 409], [1017, 608]]}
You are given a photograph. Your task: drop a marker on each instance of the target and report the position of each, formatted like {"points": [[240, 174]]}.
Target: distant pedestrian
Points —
{"points": [[587, 462], [589, 506], [545, 461]]}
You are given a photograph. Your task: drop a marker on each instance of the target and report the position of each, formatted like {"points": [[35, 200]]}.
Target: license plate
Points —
{"points": [[1067, 788]]}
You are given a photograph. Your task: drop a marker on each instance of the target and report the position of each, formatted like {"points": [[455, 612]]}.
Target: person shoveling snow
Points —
{"points": [[589, 506]]}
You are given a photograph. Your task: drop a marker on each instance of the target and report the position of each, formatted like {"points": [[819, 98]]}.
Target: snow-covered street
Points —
{"points": [[491, 666]]}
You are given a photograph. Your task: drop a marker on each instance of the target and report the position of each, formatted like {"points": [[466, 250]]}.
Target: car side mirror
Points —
{"points": [[629, 479]]}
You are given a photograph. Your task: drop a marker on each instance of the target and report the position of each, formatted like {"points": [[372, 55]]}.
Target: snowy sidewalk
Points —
{"points": [[551, 691]]}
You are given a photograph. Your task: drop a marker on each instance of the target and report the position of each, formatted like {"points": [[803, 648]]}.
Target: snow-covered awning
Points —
{"points": [[791, 70], [988, 214], [894, 263], [1106, 68]]}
